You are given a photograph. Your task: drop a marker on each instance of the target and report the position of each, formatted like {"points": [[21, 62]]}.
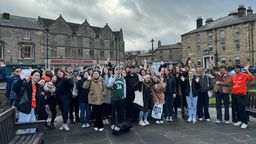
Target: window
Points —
{"points": [[161, 51], [236, 32], [54, 39], [91, 53], [111, 44], [223, 60], [222, 46], [26, 35], [189, 51], [161, 58], [236, 44], [199, 62], [237, 60], [102, 53], [198, 48], [68, 52], [80, 42], [102, 44], [68, 40], [210, 47], [54, 52], [197, 38], [26, 52], [111, 53], [91, 42], [222, 34], [188, 39], [80, 52], [209, 36], [1, 50]]}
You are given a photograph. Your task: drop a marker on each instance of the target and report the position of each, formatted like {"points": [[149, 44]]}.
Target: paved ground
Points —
{"points": [[178, 132]]}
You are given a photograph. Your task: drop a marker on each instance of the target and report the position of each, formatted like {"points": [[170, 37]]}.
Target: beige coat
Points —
{"points": [[97, 91], [225, 82], [158, 93]]}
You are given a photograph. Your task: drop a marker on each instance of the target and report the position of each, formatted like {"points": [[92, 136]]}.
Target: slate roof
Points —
{"points": [[224, 21], [171, 46], [21, 22]]}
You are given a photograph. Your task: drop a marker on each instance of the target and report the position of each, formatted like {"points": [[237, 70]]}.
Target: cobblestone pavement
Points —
{"points": [[178, 132]]}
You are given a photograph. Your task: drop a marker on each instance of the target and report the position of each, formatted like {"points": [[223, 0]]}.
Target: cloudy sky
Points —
{"points": [[141, 20]]}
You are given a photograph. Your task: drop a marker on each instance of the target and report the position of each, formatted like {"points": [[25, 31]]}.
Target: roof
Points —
{"points": [[168, 47], [224, 21], [21, 22]]}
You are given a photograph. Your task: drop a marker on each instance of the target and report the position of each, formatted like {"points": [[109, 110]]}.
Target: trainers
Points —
{"points": [[244, 126], [227, 122], [141, 123], [101, 129], [87, 125], [161, 121], [107, 122], [218, 121], [96, 129], [194, 121], [200, 119], [83, 126], [104, 122], [157, 122], [146, 122], [171, 120], [61, 128], [112, 127], [167, 119], [238, 123], [208, 120], [189, 120], [65, 127]]}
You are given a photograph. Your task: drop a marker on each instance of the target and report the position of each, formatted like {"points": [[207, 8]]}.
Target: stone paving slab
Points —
{"points": [[178, 132]]}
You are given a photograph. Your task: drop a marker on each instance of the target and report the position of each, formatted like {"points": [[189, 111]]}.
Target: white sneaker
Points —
{"points": [[194, 121], [244, 126], [171, 120], [96, 129], [112, 127], [161, 121], [189, 120], [141, 123], [146, 122], [83, 126], [238, 123], [107, 122], [218, 121], [61, 128], [101, 129], [208, 120], [157, 122], [200, 119], [227, 122], [65, 127], [104, 122], [87, 125], [167, 119]]}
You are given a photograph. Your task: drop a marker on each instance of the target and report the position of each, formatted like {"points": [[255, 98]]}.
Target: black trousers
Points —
{"points": [[52, 103], [106, 110], [74, 106], [117, 111], [64, 105], [98, 123], [239, 107]]}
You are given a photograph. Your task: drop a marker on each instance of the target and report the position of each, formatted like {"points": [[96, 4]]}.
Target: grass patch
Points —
{"points": [[212, 101], [252, 90]]}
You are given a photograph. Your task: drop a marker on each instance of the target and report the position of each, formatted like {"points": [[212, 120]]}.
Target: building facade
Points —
{"points": [[167, 53], [138, 57], [56, 43], [230, 40]]}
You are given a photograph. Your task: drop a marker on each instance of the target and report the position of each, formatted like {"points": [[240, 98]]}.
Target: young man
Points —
{"points": [[11, 80], [239, 90]]}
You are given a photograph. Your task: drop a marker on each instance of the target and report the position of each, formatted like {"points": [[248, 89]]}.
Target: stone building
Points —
{"points": [[43, 41], [138, 57], [230, 39], [168, 52]]}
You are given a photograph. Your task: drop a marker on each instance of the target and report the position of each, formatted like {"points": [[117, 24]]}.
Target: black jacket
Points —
{"points": [[205, 83], [64, 88], [171, 85], [132, 83], [20, 87], [82, 92], [185, 87]]}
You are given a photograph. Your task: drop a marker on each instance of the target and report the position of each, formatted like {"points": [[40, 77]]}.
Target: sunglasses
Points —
{"points": [[17, 71]]}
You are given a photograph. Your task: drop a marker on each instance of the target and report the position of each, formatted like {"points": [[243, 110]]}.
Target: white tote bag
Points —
{"points": [[138, 98], [157, 111]]}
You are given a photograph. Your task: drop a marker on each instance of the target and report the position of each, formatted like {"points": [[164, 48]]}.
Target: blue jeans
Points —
{"points": [[27, 118], [192, 106], [219, 97], [203, 105], [84, 113], [168, 106]]}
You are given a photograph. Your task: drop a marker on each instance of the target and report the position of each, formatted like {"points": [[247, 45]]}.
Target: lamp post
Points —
{"points": [[119, 52], [47, 48], [116, 50], [152, 58], [216, 51]]}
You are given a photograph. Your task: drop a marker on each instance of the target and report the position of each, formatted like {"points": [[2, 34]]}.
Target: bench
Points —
{"points": [[251, 104], [9, 127]]}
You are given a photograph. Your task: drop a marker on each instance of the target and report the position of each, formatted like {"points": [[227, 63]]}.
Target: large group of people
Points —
{"points": [[107, 96]]}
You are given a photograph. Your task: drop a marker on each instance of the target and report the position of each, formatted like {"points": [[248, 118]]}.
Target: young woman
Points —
{"points": [[27, 101], [107, 73]]}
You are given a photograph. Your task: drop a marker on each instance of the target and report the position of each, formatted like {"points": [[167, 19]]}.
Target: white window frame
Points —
{"points": [[26, 35], [2, 50], [31, 51]]}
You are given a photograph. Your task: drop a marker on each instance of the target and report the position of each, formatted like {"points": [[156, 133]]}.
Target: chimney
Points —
{"points": [[159, 43], [233, 13], [199, 22], [241, 10], [249, 11], [208, 20], [6, 16]]}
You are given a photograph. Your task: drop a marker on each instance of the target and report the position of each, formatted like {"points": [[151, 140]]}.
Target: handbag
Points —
{"points": [[138, 98], [157, 111]]}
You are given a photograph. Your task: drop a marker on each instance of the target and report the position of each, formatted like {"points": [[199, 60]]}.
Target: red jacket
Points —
{"points": [[239, 83]]}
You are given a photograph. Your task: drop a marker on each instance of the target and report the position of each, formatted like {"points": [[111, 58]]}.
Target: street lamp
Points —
{"points": [[116, 50], [152, 58], [47, 48]]}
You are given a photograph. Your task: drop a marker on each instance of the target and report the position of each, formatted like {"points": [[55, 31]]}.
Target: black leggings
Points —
{"points": [[64, 104]]}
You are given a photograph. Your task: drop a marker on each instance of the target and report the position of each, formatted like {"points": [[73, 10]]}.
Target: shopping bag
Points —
{"points": [[138, 98], [157, 111]]}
